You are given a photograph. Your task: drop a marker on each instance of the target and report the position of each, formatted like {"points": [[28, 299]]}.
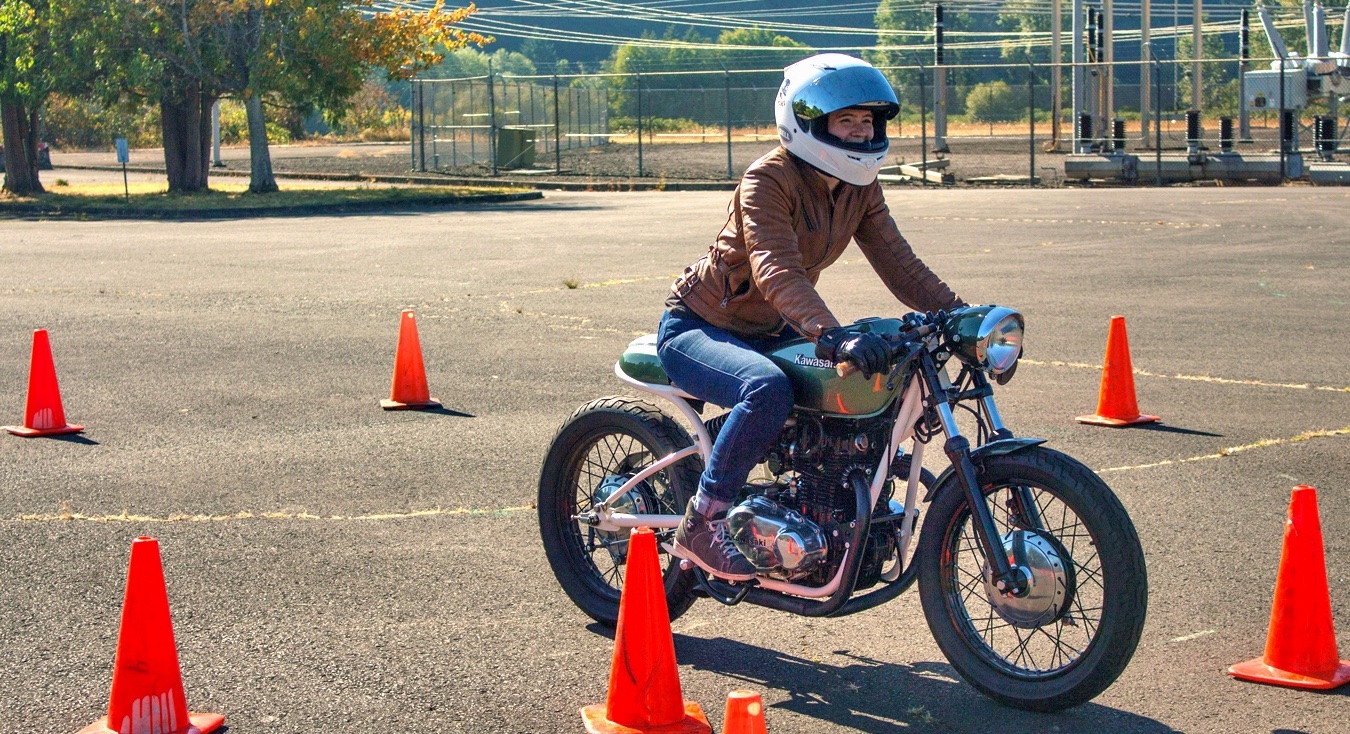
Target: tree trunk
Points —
{"points": [[261, 180], [186, 125], [20, 138]]}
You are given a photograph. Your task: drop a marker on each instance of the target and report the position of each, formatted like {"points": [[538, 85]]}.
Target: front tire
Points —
{"points": [[601, 445], [1073, 643]]}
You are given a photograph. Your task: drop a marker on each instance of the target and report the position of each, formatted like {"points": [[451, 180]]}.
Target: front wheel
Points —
{"points": [[1074, 632], [599, 448]]}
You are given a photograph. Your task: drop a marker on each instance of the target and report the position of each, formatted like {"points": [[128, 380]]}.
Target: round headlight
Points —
{"points": [[999, 340]]}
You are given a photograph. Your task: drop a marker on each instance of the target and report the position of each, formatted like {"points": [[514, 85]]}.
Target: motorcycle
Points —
{"points": [[1031, 575]]}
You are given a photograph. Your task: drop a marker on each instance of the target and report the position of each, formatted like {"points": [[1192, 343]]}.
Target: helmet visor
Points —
{"points": [[854, 86]]}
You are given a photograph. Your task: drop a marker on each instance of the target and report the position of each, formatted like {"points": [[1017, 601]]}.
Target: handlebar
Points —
{"points": [[894, 344]]}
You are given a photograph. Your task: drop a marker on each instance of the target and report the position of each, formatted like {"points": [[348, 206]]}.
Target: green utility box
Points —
{"points": [[515, 147]]}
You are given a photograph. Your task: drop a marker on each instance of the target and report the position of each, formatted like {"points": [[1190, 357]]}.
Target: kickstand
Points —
{"points": [[730, 597]]}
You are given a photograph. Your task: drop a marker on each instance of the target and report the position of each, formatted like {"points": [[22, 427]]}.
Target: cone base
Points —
{"points": [[396, 405], [199, 723], [1257, 670], [27, 432], [1101, 420], [694, 722]]}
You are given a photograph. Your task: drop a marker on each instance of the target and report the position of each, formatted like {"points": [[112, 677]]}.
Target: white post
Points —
{"points": [[215, 136], [1108, 69], [1197, 52], [1078, 60], [1056, 79], [1145, 87]]}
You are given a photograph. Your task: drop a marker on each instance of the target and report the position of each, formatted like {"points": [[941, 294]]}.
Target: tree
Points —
{"points": [[45, 47], [1026, 19], [994, 102], [300, 52], [697, 53], [1214, 71]]}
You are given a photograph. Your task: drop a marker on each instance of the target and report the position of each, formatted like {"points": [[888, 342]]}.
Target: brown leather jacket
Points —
{"points": [[782, 232]]}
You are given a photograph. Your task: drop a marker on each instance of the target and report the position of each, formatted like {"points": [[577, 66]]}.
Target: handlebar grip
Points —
{"points": [[844, 369]]}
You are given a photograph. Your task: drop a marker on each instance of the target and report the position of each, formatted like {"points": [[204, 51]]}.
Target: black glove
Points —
{"points": [[867, 351]]}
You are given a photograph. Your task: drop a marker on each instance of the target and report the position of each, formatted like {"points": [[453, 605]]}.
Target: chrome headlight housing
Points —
{"points": [[987, 337]]}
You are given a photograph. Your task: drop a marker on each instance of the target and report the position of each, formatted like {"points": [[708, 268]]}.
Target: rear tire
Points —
{"points": [[1068, 651], [613, 438]]}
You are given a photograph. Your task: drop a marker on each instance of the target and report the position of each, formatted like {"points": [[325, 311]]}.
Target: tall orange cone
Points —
{"points": [[644, 684], [1301, 642], [43, 415], [409, 391], [1116, 405], [745, 714], [147, 687]]}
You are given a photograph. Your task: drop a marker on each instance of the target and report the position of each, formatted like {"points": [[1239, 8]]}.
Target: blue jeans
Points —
{"points": [[714, 365]]}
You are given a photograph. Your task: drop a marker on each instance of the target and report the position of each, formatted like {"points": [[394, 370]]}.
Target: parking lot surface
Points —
{"points": [[335, 567]]}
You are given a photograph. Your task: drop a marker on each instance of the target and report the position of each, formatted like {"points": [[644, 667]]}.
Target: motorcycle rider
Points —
{"points": [[792, 215]]}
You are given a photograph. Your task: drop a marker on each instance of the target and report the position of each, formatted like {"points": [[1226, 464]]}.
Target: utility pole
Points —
{"points": [[1145, 103], [1108, 76], [939, 86], [1244, 54], [1056, 80], [1078, 60], [1197, 52]]}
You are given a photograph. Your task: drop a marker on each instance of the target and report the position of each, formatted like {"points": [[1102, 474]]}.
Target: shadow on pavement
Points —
{"points": [[876, 696], [74, 438], [1173, 429]]}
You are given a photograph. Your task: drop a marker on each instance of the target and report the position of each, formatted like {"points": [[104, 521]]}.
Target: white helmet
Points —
{"points": [[816, 86]]}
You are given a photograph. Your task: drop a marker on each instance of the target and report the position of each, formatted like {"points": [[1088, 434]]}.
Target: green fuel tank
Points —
{"points": [[818, 387], [815, 383]]}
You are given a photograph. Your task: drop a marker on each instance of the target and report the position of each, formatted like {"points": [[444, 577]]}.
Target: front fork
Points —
{"points": [[1008, 577]]}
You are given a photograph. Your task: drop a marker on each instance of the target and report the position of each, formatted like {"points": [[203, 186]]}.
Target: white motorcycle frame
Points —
{"points": [[911, 407]]}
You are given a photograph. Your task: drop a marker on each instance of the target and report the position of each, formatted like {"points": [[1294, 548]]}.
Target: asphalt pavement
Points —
{"points": [[335, 567]]}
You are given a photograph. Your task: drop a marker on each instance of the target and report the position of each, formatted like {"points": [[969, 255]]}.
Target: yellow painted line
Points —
{"points": [[1192, 636], [1042, 220], [1221, 453], [245, 515], [67, 516], [1194, 378]]}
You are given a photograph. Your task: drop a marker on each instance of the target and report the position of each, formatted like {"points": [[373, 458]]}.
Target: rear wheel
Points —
{"points": [[1072, 635], [600, 447]]}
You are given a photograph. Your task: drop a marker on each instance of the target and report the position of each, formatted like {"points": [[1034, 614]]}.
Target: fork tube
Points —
{"points": [[957, 449]]}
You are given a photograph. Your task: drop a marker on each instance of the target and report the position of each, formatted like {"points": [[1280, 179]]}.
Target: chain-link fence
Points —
{"points": [[958, 123], [481, 125]]}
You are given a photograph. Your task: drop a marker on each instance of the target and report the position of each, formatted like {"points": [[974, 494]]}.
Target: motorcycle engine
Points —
{"points": [[779, 541], [821, 453]]}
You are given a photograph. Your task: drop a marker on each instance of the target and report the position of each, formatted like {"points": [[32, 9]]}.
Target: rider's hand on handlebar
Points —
{"points": [[868, 351]]}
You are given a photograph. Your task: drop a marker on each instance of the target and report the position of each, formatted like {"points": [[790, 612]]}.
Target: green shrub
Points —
{"points": [[995, 102]]}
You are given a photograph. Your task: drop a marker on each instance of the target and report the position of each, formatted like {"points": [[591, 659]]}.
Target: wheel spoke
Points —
{"points": [[1035, 651]]}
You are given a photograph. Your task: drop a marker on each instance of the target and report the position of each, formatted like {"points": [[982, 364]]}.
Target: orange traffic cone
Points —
{"points": [[147, 687], [43, 416], [1116, 405], [1301, 642], [644, 684], [410, 376], [745, 714]]}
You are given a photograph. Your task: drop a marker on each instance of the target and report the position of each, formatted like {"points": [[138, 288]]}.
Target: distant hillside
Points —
{"points": [[558, 21], [585, 30]]}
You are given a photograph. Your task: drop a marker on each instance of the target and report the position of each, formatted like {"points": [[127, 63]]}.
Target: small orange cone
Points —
{"points": [[644, 684], [410, 376], [1301, 642], [1116, 405], [43, 416], [745, 714], [147, 687]]}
